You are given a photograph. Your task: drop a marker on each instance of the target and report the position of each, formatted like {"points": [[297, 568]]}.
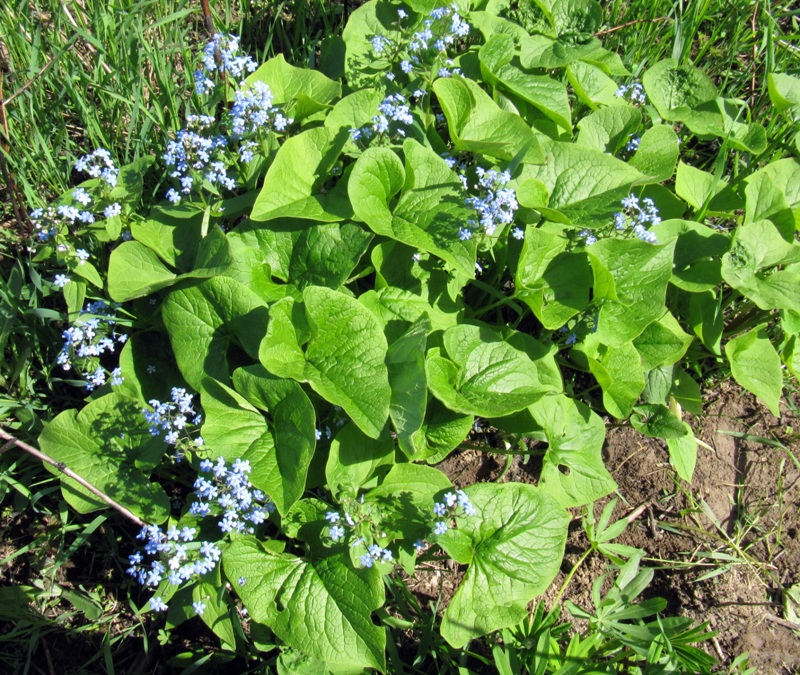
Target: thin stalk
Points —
{"points": [[570, 575], [63, 468]]}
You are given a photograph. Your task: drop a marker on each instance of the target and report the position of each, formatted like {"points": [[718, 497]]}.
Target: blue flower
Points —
{"points": [[157, 604]]}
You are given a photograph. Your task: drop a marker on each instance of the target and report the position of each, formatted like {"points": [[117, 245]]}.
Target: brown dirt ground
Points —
{"points": [[751, 489]]}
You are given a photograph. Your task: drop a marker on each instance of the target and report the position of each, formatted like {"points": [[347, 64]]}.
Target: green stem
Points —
{"points": [[570, 575]]}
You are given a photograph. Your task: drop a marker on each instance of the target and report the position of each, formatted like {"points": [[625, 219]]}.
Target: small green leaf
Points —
{"points": [[321, 607], [357, 461], [657, 154], [662, 343], [756, 366], [307, 91], [518, 538], [573, 471], [406, 362], [202, 320], [478, 124], [610, 128], [292, 187], [657, 421], [406, 496], [784, 90], [618, 370], [108, 444], [683, 453], [488, 375]]}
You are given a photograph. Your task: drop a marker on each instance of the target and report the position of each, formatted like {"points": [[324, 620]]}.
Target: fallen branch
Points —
{"points": [[63, 468]]}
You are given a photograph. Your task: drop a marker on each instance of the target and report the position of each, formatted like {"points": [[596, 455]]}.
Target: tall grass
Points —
{"points": [[97, 73], [737, 42]]}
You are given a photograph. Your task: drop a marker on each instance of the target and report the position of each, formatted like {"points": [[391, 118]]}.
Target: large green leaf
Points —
{"points": [[293, 184], [136, 270], [573, 471], [357, 461], [202, 321], [555, 284], [631, 277], [392, 305], [540, 51], [406, 363], [348, 371], [477, 124], [430, 210], [362, 68], [618, 370], [306, 91], [292, 423], [326, 254], [751, 266], [488, 375], [322, 608], [584, 185], [774, 193], [108, 444], [542, 92], [674, 89], [684, 93], [517, 540], [756, 366]]}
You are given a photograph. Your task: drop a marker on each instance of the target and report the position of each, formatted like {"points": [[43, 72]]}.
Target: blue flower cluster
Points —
{"points": [[54, 220], [639, 216], [635, 218], [425, 51], [177, 556], [440, 31], [495, 206], [228, 490], [453, 504], [253, 111], [364, 528], [87, 339], [98, 164], [194, 151], [633, 92], [393, 116], [361, 523], [205, 150], [221, 56], [175, 420]]}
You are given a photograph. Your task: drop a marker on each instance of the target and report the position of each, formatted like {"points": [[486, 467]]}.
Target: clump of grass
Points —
{"points": [[736, 43]]}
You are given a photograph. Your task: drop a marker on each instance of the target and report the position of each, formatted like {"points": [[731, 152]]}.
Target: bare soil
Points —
{"points": [[741, 508]]}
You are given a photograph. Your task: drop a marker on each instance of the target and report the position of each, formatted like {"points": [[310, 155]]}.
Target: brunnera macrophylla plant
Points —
{"points": [[471, 216]]}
